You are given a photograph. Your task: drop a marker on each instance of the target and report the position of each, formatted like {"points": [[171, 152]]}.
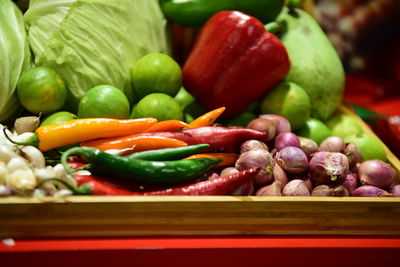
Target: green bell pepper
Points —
{"points": [[194, 13]]}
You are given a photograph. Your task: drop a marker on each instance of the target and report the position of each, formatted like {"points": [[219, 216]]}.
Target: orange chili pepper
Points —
{"points": [[136, 142], [228, 159], [168, 125], [207, 119], [79, 130]]}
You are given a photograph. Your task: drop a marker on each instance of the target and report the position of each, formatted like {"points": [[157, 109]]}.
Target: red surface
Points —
{"points": [[200, 251], [199, 242]]}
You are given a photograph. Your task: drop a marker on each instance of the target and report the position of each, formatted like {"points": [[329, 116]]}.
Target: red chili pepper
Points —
{"points": [[99, 188], [234, 62], [218, 186], [221, 185], [217, 137]]}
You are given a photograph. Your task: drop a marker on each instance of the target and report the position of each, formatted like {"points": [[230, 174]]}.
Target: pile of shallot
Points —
{"points": [[297, 166]]}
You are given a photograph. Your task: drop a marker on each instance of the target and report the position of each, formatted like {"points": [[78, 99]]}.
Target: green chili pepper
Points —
{"points": [[194, 13], [168, 153], [159, 172]]}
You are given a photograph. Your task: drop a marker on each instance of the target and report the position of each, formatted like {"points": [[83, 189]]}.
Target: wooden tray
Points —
{"points": [[92, 216]]}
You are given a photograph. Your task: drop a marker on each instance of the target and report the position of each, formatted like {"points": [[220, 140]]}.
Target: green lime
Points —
{"points": [[241, 120], [104, 101], [343, 125], [58, 117], [315, 130], [290, 101], [184, 98], [158, 105], [41, 90], [193, 111], [370, 147], [156, 73]]}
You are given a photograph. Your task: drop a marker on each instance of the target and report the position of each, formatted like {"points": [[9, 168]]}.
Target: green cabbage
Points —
{"points": [[92, 42], [15, 57]]}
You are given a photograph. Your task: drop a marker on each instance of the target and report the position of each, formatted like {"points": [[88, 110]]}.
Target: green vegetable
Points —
{"points": [[168, 153], [15, 57], [314, 63], [92, 42], [194, 13], [159, 172]]}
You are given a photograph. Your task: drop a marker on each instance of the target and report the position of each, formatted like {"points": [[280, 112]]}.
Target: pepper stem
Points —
{"points": [[31, 141], [273, 27], [81, 190], [64, 159]]}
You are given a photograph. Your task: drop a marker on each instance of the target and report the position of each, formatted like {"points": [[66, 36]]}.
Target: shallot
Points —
{"points": [[253, 144], [292, 159], [351, 182], [296, 187], [273, 189], [328, 168], [353, 154], [257, 158], [332, 144], [283, 124], [370, 191], [280, 175], [326, 191], [376, 173], [267, 126], [308, 146], [286, 139], [322, 191], [395, 190], [245, 190]]}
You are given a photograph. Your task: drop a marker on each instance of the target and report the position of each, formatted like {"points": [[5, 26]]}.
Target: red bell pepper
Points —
{"points": [[234, 62]]}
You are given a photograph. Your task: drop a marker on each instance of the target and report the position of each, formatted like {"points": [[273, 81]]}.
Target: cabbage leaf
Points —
{"points": [[15, 57], [92, 42]]}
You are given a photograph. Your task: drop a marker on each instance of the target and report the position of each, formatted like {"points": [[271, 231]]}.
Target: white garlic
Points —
{"points": [[22, 181], [34, 156], [17, 163], [6, 153]]}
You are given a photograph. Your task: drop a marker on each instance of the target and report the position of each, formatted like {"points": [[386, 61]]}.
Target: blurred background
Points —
{"points": [[366, 35]]}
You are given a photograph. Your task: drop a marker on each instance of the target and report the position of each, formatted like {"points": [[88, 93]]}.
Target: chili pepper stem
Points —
{"points": [[64, 159], [81, 190], [31, 141]]}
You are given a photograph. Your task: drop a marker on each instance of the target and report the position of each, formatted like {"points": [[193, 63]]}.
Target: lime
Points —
{"points": [[104, 101], [315, 129], [241, 120], [158, 105], [290, 101], [58, 117], [370, 147], [41, 90], [184, 98], [156, 73], [343, 125]]}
